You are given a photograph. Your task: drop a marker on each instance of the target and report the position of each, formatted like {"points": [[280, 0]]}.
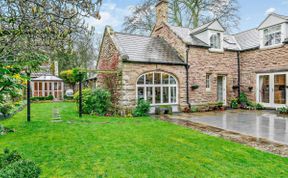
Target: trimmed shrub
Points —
{"points": [[42, 98], [234, 103], [163, 109], [142, 108], [283, 110], [96, 101]]}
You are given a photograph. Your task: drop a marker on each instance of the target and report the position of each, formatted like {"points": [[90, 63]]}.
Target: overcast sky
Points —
{"points": [[252, 12]]}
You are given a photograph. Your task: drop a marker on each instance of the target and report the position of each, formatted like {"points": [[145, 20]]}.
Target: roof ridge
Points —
{"points": [[243, 32], [130, 34]]}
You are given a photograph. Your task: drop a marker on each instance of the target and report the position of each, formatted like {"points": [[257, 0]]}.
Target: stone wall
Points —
{"points": [[203, 62], [131, 72], [166, 33], [260, 60]]}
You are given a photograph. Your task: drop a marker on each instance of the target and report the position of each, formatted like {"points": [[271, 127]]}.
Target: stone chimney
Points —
{"points": [[161, 11]]}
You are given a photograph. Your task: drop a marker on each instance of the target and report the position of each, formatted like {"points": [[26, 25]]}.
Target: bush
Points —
{"points": [[194, 109], [259, 106], [6, 108], [21, 168], [234, 103], [283, 110], [13, 165], [142, 108], [96, 101], [42, 98], [243, 100]]}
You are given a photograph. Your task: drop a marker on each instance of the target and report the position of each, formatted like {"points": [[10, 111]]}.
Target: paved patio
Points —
{"points": [[260, 124]]}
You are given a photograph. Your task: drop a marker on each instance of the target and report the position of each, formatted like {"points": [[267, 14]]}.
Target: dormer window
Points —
{"points": [[272, 35], [215, 41]]}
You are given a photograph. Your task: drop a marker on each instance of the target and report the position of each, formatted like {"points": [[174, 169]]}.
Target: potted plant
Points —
{"points": [[194, 86], [220, 106]]}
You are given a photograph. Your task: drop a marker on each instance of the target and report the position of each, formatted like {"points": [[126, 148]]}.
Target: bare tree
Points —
{"points": [[183, 13]]}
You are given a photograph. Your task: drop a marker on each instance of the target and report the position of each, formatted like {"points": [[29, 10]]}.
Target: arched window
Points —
{"points": [[215, 41], [157, 88]]}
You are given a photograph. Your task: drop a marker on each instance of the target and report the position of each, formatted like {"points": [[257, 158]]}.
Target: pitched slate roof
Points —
{"points": [[248, 39], [241, 41], [138, 48], [281, 16], [185, 35]]}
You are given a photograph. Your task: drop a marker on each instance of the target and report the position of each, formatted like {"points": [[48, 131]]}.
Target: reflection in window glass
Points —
{"points": [[157, 78], [157, 88], [140, 93], [172, 80], [165, 78], [165, 95], [173, 95], [157, 95], [149, 78], [141, 80], [149, 93]]}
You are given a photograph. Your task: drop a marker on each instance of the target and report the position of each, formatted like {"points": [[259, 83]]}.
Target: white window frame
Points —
{"points": [[215, 40], [208, 81], [272, 31], [161, 85]]}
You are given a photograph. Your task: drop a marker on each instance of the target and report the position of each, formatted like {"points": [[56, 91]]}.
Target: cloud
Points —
{"points": [[111, 14], [270, 11]]}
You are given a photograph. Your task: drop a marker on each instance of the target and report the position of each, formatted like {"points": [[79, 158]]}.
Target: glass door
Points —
{"points": [[272, 89], [264, 91], [280, 89]]}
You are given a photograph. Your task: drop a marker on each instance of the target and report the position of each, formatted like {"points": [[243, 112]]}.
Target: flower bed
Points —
{"points": [[7, 110]]}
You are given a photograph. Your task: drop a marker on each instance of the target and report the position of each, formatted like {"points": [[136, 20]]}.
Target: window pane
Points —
{"points": [[165, 94], [173, 94], [157, 95], [55, 86], [165, 78], [149, 78], [264, 89], [172, 80], [208, 78], [141, 80], [149, 94], [35, 86], [46, 86], [59, 86], [157, 78], [140, 93]]}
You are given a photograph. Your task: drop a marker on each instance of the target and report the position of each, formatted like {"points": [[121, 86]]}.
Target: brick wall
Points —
{"points": [[203, 62], [259, 60]]}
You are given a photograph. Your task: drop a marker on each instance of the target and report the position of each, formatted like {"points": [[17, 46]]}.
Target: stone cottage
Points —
{"points": [[181, 67]]}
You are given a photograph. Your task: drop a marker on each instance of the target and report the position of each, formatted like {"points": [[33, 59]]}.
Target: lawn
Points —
{"points": [[119, 147]]}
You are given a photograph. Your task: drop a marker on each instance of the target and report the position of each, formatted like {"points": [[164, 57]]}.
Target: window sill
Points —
{"points": [[271, 47], [216, 50]]}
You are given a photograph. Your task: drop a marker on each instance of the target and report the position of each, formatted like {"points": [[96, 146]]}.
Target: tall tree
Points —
{"points": [[183, 13], [30, 30]]}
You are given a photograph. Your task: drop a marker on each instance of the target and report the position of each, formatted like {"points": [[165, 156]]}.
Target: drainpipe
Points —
{"points": [[187, 66], [239, 74]]}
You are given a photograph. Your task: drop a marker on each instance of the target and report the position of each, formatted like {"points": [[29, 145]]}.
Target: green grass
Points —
{"points": [[119, 147]]}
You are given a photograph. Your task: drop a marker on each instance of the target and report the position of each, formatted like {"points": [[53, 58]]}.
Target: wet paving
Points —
{"points": [[259, 124]]}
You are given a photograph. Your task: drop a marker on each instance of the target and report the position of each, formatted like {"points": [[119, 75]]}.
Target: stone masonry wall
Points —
{"points": [[131, 72], [259, 60], [165, 32], [203, 62]]}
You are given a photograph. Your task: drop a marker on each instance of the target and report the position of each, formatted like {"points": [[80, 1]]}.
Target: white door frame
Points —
{"points": [[271, 103], [224, 88]]}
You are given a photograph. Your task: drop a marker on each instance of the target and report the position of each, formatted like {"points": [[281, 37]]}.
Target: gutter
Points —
{"points": [[187, 66], [154, 62]]}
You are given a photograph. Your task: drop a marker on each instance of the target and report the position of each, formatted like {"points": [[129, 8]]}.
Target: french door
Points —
{"points": [[272, 89]]}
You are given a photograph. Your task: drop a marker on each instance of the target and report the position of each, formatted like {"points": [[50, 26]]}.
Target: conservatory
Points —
{"points": [[46, 86]]}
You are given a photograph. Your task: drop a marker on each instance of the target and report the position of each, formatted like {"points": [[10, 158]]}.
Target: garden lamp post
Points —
{"points": [[28, 96], [80, 98]]}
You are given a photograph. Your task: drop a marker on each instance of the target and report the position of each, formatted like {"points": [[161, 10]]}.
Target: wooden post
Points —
{"points": [[80, 99], [28, 99]]}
